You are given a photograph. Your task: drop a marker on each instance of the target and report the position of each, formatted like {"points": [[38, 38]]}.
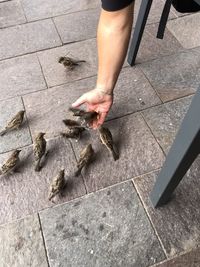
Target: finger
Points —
{"points": [[81, 100], [92, 107], [102, 118], [95, 125]]}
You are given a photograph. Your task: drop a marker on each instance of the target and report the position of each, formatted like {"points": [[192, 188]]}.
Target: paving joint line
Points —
{"points": [[150, 221], [52, 19], [175, 256], [29, 53], [18, 96], [122, 116], [147, 173], [41, 19], [153, 134], [185, 50], [43, 240], [22, 6], [61, 15], [19, 147], [77, 11], [77, 198], [42, 74], [45, 49], [47, 88], [152, 35], [133, 112], [116, 118], [150, 84]]}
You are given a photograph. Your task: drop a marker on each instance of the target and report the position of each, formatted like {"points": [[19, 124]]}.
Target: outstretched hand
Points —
{"points": [[96, 100]]}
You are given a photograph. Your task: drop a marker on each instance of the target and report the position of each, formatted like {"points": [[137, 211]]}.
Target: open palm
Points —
{"points": [[96, 100]]}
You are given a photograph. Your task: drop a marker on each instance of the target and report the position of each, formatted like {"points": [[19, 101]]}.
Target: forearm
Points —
{"points": [[113, 38]]}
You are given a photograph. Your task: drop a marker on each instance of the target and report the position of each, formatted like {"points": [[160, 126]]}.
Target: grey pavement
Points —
{"points": [[104, 216]]}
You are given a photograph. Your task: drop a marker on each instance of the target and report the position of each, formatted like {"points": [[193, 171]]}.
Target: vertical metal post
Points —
{"points": [[183, 152], [138, 31]]}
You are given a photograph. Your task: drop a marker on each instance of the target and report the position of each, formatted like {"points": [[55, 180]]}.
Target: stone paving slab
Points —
{"points": [[138, 150], [56, 74], [14, 139], [108, 228], [165, 120], [132, 93], [20, 76], [78, 26], [26, 192], [152, 47], [187, 30], [189, 259], [40, 9], [11, 13], [178, 14], [46, 109], [177, 223], [155, 12], [27, 38], [22, 244], [174, 76]]}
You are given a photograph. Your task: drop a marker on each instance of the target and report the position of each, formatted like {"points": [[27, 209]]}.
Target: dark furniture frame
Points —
{"points": [[186, 146], [182, 154], [140, 25]]}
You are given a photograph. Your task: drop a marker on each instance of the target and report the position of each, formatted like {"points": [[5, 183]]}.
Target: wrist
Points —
{"points": [[105, 90]]}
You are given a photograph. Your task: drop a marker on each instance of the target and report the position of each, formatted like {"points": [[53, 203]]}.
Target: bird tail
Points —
{"points": [[78, 172], [64, 134], [80, 61], [3, 132], [115, 154], [51, 195], [37, 166]]}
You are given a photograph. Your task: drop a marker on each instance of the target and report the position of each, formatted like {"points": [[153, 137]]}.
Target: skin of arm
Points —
{"points": [[113, 37]]}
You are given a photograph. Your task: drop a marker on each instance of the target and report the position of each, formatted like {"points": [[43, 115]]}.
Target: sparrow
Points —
{"points": [[85, 117], [39, 150], [57, 184], [10, 163], [71, 123], [14, 123], [77, 111], [85, 158], [74, 132], [107, 140], [69, 62]]}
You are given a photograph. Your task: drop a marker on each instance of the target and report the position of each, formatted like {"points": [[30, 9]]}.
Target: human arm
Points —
{"points": [[112, 40]]}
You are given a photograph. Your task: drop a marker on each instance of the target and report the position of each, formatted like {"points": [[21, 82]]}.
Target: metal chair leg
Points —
{"points": [[164, 18], [139, 29], [183, 152]]}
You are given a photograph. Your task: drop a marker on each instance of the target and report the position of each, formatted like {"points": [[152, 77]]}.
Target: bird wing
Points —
{"points": [[39, 149], [15, 122], [83, 152], [107, 140], [9, 164]]}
